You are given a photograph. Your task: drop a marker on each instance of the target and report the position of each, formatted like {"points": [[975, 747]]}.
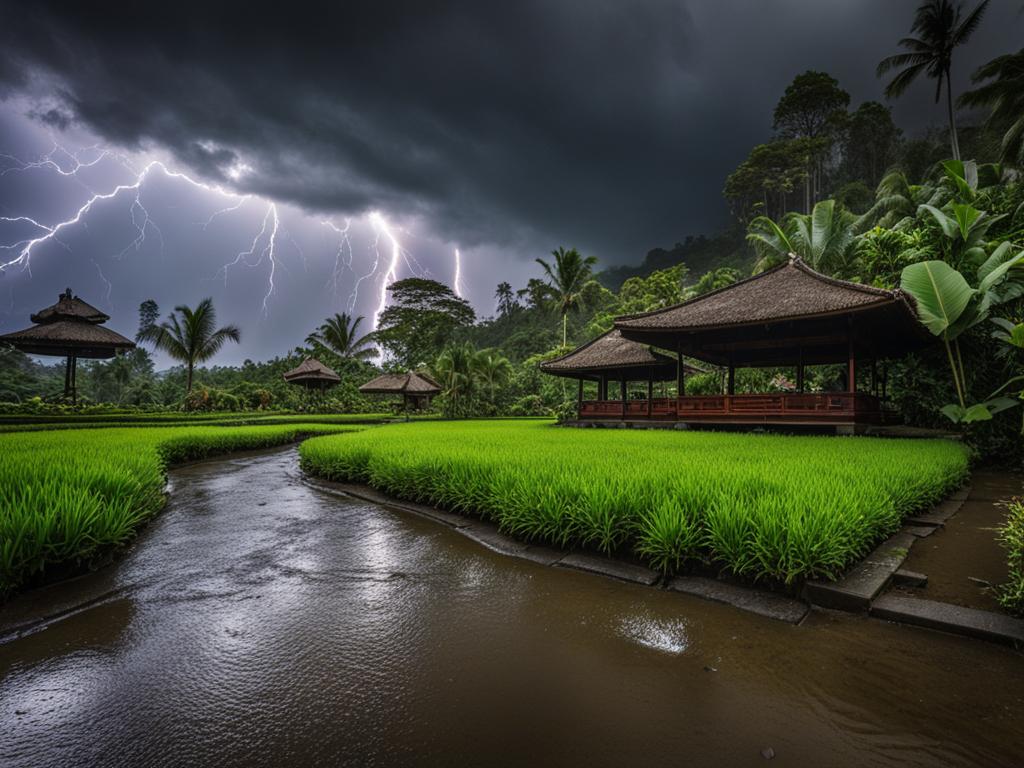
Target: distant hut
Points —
{"points": [[71, 328], [313, 375], [416, 388]]}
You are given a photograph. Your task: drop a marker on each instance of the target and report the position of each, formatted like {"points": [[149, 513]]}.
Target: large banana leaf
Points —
{"points": [[940, 292]]}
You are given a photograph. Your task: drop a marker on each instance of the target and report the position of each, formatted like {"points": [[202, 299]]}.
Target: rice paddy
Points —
{"points": [[70, 497], [772, 507]]}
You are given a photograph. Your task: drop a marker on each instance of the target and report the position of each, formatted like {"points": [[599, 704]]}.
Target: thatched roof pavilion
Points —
{"points": [[610, 357], [415, 387], [787, 316], [312, 374], [71, 328]]}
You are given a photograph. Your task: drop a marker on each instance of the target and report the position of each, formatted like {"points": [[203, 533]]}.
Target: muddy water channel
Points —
{"points": [[260, 622]]}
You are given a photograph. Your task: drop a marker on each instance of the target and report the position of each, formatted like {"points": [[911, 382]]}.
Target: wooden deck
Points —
{"points": [[825, 408]]}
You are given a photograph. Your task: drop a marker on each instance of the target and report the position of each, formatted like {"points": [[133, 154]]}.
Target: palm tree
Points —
{"points": [[1004, 93], [340, 335], [824, 238], [188, 335], [454, 372], [941, 26], [567, 278], [491, 369]]}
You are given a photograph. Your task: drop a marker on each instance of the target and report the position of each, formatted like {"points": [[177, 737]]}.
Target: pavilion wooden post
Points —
{"points": [[730, 387], [874, 377], [622, 391], [74, 382], [579, 399], [602, 388], [680, 375], [67, 377], [650, 394], [800, 371], [851, 370]]}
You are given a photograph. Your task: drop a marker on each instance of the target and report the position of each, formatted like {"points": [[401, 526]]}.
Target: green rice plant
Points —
{"points": [[70, 497], [760, 506], [1011, 536]]}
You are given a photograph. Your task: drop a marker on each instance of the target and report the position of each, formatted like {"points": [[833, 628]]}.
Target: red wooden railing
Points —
{"points": [[784, 406]]}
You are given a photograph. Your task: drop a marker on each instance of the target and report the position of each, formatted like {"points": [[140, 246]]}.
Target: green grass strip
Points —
{"points": [[774, 507], [69, 497]]}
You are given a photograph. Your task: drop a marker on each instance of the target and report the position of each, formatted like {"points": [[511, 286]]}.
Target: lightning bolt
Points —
{"points": [[268, 231], [50, 233], [457, 282], [381, 227], [140, 217], [341, 262], [263, 248]]}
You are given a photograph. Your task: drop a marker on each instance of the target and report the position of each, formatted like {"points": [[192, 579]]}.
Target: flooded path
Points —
{"points": [[260, 622]]}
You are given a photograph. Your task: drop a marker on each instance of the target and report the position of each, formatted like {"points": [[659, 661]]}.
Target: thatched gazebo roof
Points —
{"points": [[69, 328], [69, 307], [313, 374], [613, 356], [766, 319], [410, 383]]}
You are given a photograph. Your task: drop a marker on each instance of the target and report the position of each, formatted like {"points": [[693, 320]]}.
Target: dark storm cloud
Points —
{"points": [[610, 125]]}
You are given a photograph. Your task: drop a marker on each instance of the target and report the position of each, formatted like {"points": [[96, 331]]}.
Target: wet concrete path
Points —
{"points": [[260, 622], [963, 559]]}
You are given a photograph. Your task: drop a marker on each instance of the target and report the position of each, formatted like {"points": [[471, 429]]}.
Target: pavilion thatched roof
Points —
{"points": [[313, 371], [410, 383], [69, 328], [611, 354], [791, 290], [766, 319]]}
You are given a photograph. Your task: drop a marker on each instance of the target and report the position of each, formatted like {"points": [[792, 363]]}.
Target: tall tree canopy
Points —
{"points": [[813, 106], [421, 319]]}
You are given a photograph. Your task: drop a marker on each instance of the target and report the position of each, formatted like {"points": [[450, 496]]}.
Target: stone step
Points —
{"points": [[905, 578], [581, 561], [856, 590], [950, 618], [761, 602], [939, 514]]}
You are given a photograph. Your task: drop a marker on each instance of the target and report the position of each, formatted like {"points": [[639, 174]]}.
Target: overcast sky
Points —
{"points": [[500, 129]]}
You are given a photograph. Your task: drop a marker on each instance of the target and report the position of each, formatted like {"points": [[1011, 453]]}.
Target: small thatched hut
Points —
{"points": [[71, 328], [312, 374], [416, 388]]}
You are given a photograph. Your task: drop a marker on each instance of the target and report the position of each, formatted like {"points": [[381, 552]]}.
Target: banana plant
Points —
{"points": [[948, 305], [965, 178], [964, 228]]}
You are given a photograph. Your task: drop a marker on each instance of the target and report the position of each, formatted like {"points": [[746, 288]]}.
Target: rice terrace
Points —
{"points": [[351, 414]]}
